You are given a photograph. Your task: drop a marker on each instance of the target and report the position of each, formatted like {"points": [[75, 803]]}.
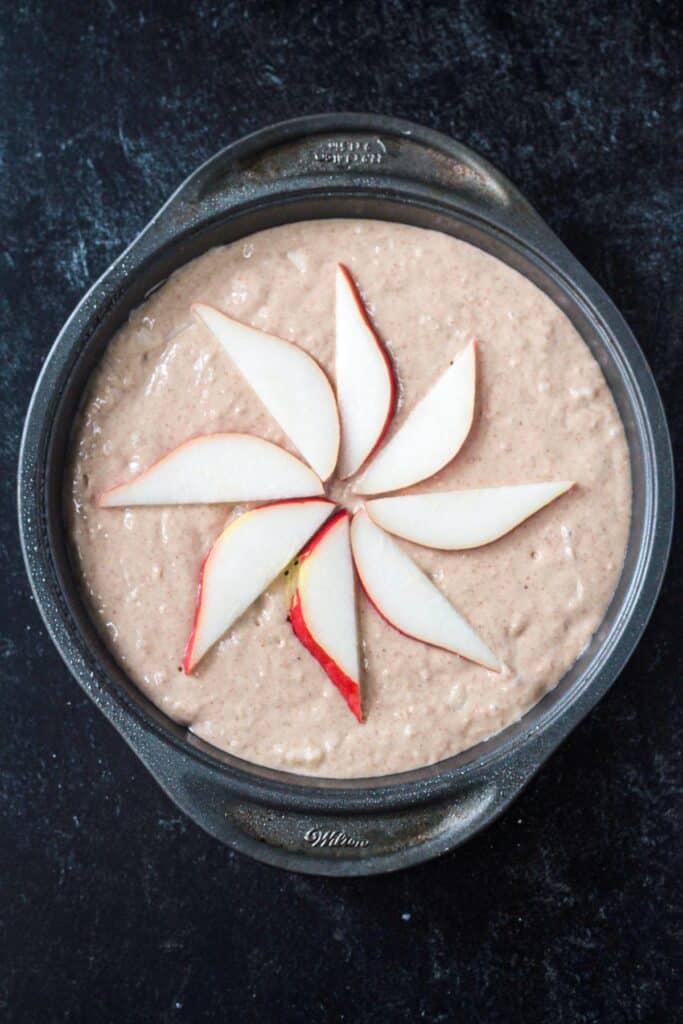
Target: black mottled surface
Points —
{"points": [[113, 906]]}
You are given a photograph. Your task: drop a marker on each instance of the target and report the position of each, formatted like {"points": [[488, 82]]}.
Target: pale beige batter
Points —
{"points": [[544, 412]]}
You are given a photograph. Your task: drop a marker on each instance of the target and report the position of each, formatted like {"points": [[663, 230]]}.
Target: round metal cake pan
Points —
{"points": [[346, 165]]}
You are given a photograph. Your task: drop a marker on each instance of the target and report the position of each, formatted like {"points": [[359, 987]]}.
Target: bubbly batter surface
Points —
{"points": [[544, 412]]}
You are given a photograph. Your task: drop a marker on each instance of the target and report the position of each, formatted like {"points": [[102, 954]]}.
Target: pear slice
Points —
{"points": [[366, 389], [217, 468], [431, 436], [289, 382], [247, 556], [323, 607], [410, 602], [456, 520]]}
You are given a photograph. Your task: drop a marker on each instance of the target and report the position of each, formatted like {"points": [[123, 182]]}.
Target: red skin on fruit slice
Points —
{"points": [[187, 664], [393, 391], [348, 687]]}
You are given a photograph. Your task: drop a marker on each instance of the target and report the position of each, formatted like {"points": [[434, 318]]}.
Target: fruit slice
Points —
{"points": [[409, 601], [454, 520], [323, 608], [432, 434], [218, 468], [247, 556], [291, 385], [366, 389]]}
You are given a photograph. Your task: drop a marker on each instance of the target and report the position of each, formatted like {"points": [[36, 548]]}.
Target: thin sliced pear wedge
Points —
{"points": [[431, 436], [366, 388], [456, 520], [409, 601], [323, 607], [245, 559], [216, 468], [289, 382]]}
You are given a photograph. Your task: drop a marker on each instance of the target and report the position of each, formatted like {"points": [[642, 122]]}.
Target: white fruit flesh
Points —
{"points": [[290, 383], [252, 550], [365, 380], [324, 608], [432, 434], [409, 601], [455, 520], [218, 468]]}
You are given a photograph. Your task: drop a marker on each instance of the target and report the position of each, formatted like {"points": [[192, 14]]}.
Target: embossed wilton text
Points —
{"points": [[319, 837]]}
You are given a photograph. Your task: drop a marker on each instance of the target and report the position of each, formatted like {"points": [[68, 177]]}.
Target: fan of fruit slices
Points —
{"points": [[296, 525]]}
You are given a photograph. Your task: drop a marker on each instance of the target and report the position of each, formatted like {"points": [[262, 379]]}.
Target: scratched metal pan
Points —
{"points": [[345, 165]]}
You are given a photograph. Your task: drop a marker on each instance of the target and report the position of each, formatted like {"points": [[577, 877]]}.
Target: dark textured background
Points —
{"points": [[113, 906]]}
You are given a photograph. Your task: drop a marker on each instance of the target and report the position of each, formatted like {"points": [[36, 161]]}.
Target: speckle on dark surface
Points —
{"points": [[113, 906]]}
